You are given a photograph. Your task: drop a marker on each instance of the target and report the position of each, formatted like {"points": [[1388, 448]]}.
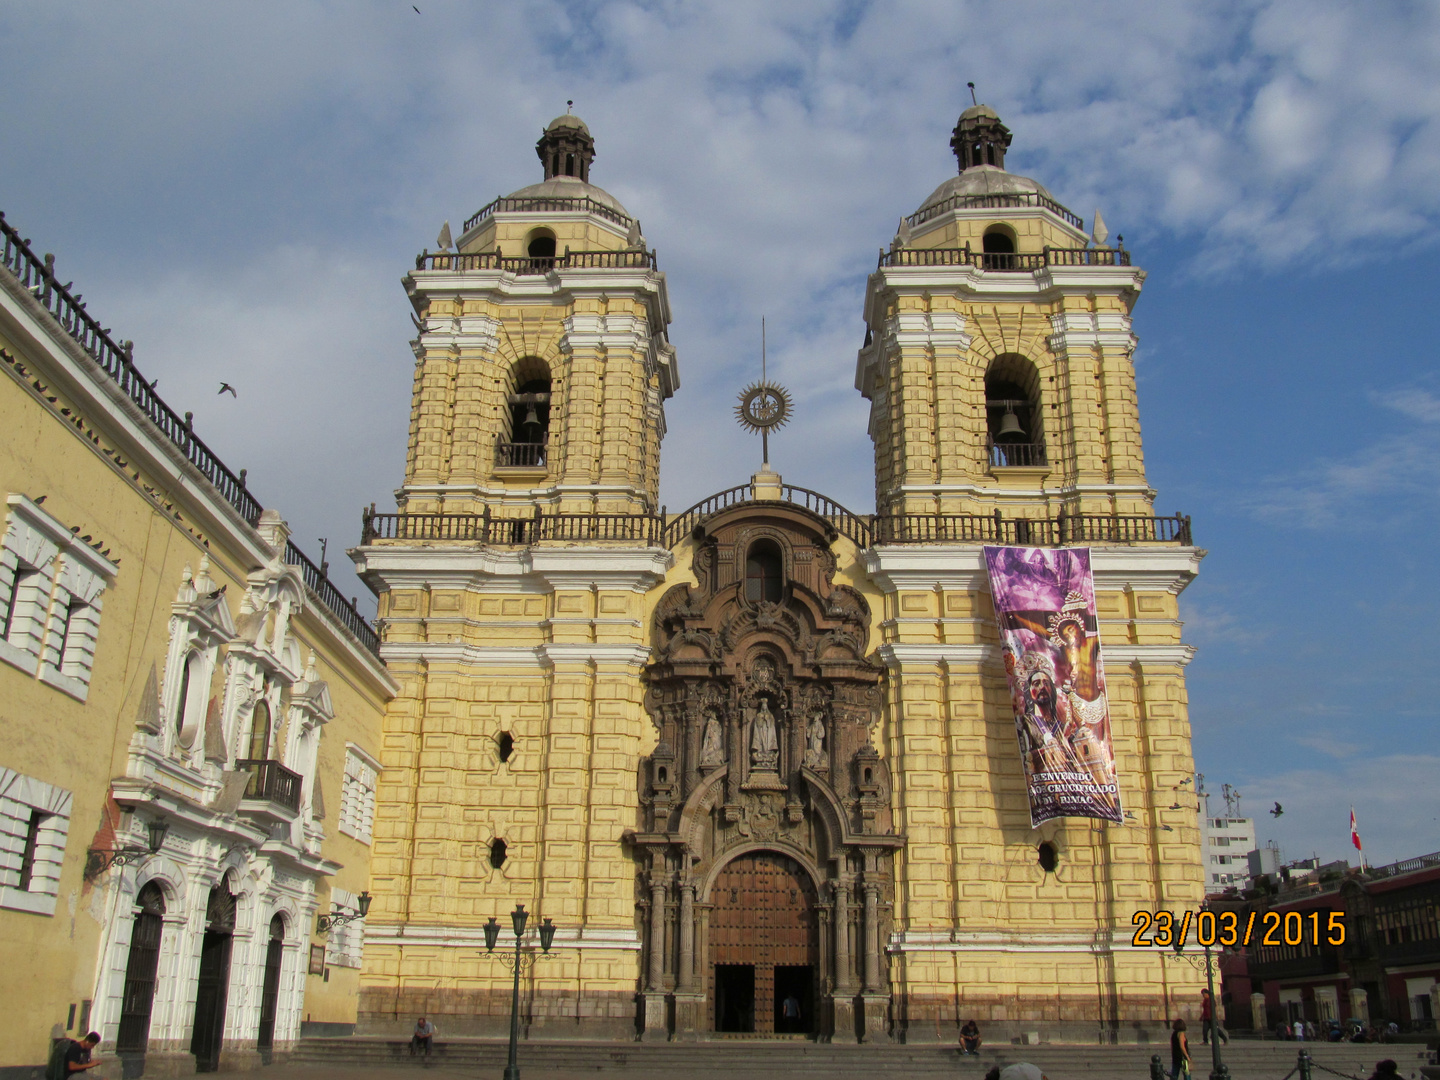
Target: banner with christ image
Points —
{"points": [[1045, 608]]}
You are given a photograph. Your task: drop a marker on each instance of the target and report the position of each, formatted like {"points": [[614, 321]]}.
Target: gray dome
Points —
{"points": [[567, 120], [985, 180], [569, 187]]}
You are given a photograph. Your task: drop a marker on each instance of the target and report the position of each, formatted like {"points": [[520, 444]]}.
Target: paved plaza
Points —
{"points": [[365, 1059]]}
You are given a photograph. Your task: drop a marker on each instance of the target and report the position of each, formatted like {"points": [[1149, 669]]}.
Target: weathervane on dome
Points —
{"points": [[764, 405]]}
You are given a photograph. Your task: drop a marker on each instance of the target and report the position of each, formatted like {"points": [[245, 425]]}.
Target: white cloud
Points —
{"points": [[1397, 807], [244, 184]]}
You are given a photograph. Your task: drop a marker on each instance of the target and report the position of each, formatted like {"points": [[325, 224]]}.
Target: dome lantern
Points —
{"points": [[980, 138], [566, 148]]}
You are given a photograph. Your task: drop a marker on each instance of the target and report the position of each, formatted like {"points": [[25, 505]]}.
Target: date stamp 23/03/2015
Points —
{"points": [[1227, 929]]}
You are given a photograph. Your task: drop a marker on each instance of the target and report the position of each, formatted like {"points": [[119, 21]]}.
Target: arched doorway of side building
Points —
{"points": [[763, 933]]}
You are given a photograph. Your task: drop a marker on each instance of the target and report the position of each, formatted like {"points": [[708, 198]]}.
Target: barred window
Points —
{"points": [[34, 825], [50, 586], [357, 794]]}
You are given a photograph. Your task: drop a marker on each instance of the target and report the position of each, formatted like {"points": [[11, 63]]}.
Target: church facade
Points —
{"points": [[755, 762]]}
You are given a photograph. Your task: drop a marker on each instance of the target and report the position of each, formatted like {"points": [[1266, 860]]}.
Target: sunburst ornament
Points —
{"points": [[763, 407]]}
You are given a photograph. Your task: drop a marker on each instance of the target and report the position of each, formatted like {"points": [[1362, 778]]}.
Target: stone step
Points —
{"points": [[1246, 1060]]}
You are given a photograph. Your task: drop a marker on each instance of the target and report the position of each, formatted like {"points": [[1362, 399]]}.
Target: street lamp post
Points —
{"points": [[518, 918], [1218, 1069]]}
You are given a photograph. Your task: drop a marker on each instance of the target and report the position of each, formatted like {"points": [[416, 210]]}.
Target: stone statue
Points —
{"points": [[712, 750], [764, 748], [815, 741]]}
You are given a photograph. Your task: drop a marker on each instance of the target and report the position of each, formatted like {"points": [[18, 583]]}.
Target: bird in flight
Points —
{"points": [[1277, 811], [226, 388], [417, 10]]}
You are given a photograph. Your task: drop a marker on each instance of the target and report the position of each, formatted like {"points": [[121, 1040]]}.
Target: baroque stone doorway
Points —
{"points": [[762, 916]]}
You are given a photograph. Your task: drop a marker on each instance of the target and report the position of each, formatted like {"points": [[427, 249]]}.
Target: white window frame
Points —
{"points": [[345, 942], [357, 794], [50, 598], [20, 797]]}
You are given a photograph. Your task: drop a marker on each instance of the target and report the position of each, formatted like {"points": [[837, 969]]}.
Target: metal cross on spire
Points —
{"points": [[764, 405]]}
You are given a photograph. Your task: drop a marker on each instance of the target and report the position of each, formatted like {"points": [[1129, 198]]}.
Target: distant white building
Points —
{"points": [[1228, 844]]}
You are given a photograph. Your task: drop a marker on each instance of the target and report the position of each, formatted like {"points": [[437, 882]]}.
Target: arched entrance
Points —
{"points": [[270, 991], [213, 984], [763, 946], [140, 970]]}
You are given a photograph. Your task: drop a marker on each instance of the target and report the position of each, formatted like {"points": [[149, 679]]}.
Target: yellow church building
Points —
{"points": [[763, 751]]}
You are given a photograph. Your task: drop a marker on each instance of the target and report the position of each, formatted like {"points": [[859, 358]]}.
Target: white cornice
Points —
{"points": [[1058, 492], [456, 655], [473, 937], [924, 567], [899, 655]]}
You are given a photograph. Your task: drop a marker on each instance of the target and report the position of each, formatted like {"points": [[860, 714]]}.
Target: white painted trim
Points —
{"points": [[898, 654], [469, 937]]}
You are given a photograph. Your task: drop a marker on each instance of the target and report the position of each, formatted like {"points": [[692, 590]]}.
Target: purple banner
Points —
{"points": [[1045, 608]]}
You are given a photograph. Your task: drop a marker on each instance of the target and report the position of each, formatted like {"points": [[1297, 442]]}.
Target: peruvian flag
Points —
{"points": [[1354, 832]]}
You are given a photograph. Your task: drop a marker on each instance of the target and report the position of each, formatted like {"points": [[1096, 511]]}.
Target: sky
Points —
{"points": [[240, 188]]}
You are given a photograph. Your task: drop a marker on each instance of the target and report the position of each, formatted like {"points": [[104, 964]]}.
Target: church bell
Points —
{"points": [[1010, 425]]}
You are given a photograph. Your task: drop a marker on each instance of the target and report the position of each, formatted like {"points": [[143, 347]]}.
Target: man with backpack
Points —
{"points": [[71, 1056]]}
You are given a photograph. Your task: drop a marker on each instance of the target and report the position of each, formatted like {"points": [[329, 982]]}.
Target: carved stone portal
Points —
{"points": [[765, 701]]}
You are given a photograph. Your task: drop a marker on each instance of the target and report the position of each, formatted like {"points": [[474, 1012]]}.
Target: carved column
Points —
{"points": [[876, 997], [872, 937], [655, 1027], [657, 934], [689, 1001], [685, 980], [842, 1001]]}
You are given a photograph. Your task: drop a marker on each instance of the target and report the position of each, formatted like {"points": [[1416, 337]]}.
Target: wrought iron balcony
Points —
{"points": [[1005, 200], [1021, 262], [271, 782], [520, 455], [1008, 455], [630, 259], [509, 205], [863, 529]]}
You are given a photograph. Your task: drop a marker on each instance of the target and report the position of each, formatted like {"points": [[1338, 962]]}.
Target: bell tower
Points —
{"points": [[997, 355], [512, 583], [543, 363]]}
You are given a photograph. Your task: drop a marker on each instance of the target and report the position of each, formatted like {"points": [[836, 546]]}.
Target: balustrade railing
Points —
{"points": [[632, 259], [1007, 455], [271, 782], [116, 360], [510, 205], [862, 529], [997, 201], [510, 455], [1031, 532], [1004, 262]]}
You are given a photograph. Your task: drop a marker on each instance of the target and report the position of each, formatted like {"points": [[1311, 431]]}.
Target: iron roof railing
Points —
{"points": [[1005, 262], [998, 201], [631, 259], [117, 361], [539, 205]]}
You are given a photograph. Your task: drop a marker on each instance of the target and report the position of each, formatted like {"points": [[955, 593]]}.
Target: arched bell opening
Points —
{"points": [[524, 445], [1014, 432]]}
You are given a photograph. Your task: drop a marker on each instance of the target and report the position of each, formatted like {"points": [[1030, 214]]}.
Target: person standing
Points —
{"points": [[790, 1011], [1207, 1020], [1179, 1051]]}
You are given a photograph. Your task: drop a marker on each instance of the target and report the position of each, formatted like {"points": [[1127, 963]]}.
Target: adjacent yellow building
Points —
{"points": [[761, 751], [193, 714]]}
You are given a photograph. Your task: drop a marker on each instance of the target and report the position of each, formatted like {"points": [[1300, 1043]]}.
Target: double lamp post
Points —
{"points": [[518, 918]]}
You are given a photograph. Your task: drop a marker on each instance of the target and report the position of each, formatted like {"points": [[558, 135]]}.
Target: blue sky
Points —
{"points": [[239, 188]]}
